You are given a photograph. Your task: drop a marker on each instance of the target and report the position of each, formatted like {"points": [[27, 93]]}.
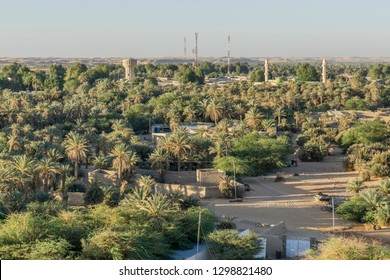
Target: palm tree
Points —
{"points": [[64, 171], [24, 168], [160, 160], [217, 149], [54, 154], [279, 113], [253, 118], [268, 126], [47, 168], [157, 206], [179, 146], [214, 110], [124, 159], [297, 118], [372, 199], [146, 182], [384, 187], [120, 153], [76, 148], [6, 178], [100, 162], [14, 143], [131, 160], [240, 110], [355, 186]]}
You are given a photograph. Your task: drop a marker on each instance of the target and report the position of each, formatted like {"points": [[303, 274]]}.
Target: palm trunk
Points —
{"points": [[178, 164], [119, 173], [76, 169]]}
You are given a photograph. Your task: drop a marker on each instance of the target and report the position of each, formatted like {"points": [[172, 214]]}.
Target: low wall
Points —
{"points": [[209, 176], [201, 192], [76, 198], [181, 177], [104, 177]]}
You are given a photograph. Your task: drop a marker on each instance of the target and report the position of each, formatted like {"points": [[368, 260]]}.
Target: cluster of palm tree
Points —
{"points": [[369, 205]]}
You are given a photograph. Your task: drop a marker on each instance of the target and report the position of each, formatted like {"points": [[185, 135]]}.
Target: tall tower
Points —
{"points": [[129, 64], [196, 49], [185, 48], [228, 69], [266, 70], [324, 71]]}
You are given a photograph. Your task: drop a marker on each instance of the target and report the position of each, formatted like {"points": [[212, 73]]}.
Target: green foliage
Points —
{"points": [[353, 209], [262, 154], [366, 133], [190, 220], [313, 151], [14, 201], [229, 245], [22, 228], [231, 164], [355, 103], [307, 73], [42, 196], [187, 74], [50, 249], [350, 248], [132, 244], [47, 208], [379, 71], [257, 76], [94, 195]]}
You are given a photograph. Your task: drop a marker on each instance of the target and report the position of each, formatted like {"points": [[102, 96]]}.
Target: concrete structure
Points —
{"points": [[103, 177], [193, 190], [209, 176], [266, 70], [324, 71], [161, 130], [129, 65], [76, 198]]}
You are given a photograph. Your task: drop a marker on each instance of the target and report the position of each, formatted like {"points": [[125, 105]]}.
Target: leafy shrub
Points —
{"points": [[229, 245], [42, 196], [48, 208], [352, 210], [313, 151], [132, 244], [15, 201], [94, 195], [50, 249], [350, 248]]}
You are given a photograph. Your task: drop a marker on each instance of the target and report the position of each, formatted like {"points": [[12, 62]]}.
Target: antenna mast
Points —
{"points": [[196, 49], [228, 70], [185, 48]]}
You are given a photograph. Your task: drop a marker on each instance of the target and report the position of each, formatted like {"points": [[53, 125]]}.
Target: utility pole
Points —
{"points": [[235, 182], [196, 48], [228, 70], [185, 48], [333, 214], [198, 239]]}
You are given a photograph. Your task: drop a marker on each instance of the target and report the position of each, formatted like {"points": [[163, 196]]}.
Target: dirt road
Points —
{"points": [[291, 200]]}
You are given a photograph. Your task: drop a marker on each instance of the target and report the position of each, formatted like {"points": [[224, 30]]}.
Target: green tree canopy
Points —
{"points": [[307, 73]]}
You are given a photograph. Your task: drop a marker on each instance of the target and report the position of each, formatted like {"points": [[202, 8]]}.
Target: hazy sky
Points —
{"points": [[151, 28]]}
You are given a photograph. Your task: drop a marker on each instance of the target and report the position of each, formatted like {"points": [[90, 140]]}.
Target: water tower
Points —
{"points": [[129, 64]]}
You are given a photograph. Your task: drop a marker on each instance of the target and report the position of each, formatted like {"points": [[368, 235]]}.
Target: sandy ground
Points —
{"points": [[291, 200]]}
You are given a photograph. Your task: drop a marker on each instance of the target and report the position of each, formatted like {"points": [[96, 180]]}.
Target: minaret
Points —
{"points": [[129, 65], [266, 70], [324, 71]]}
